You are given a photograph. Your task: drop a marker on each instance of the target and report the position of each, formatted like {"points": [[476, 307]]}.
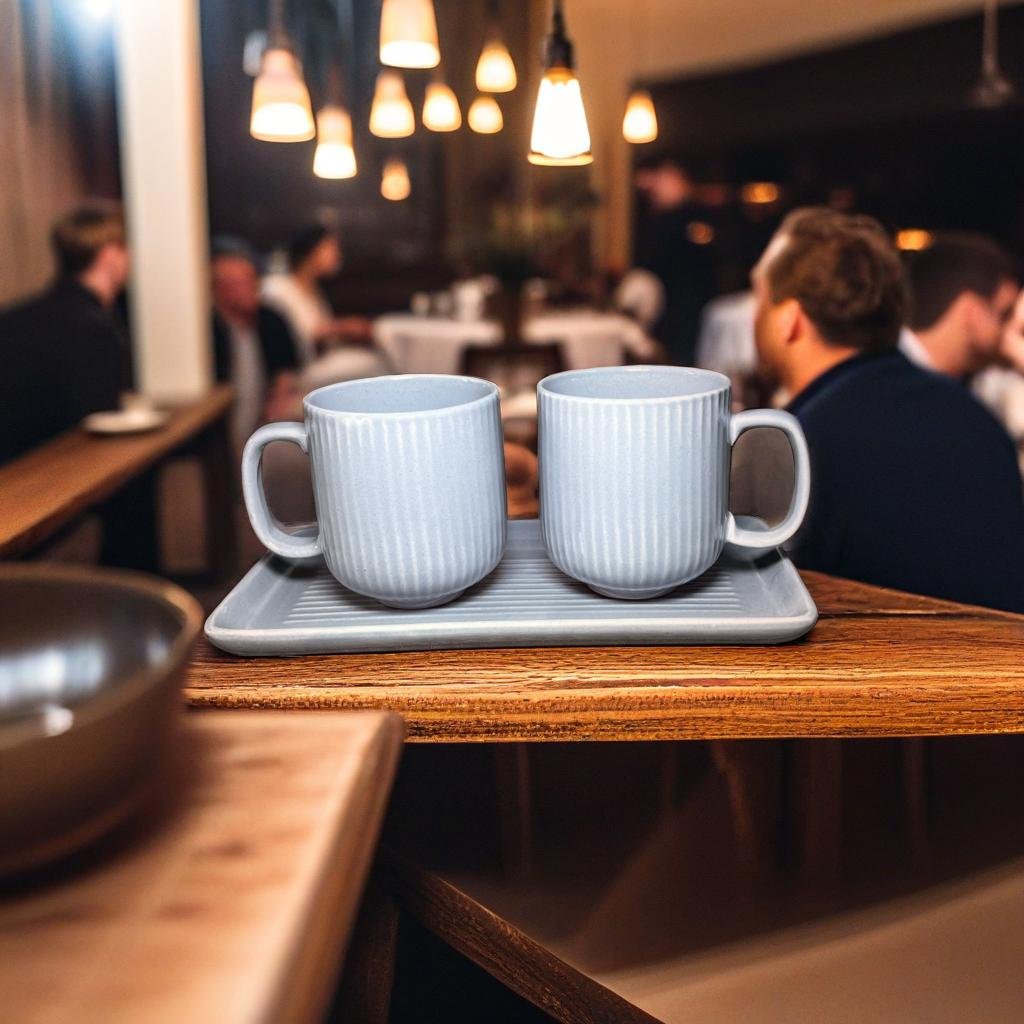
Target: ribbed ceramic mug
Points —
{"points": [[634, 476], [408, 482]]}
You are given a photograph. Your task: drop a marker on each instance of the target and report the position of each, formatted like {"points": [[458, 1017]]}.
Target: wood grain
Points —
{"points": [[878, 663], [232, 903], [517, 961], [49, 486]]}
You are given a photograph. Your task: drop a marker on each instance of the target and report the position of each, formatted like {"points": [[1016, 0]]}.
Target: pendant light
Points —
{"points": [[334, 157], [560, 136], [640, 122], [485, 116], [495, 71], [441, 111], [394, 182], [281, 111], [391, 116], [408, 34]]}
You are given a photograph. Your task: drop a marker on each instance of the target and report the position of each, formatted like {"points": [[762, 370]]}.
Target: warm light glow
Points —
{"points": [[281, 111], [485, 115], [640, 122], [700, 232], [760, 193], [334, 157], [394, 182], [560, 136], [495, 71], [441, 109], [408, 34], [391, 115], [913, 239]]}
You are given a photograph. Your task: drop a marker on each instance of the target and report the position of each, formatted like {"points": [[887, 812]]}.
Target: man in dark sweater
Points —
{"points": [[63, 353], [914, 484]]}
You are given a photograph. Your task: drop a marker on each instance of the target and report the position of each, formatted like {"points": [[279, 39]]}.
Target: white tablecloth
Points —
{"points": [[726, 340], [429, 344], [588, 338]]}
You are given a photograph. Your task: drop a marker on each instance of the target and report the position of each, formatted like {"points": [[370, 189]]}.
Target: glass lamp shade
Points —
{"points": [[640, 122], [495, 71], [560, 136], [281, 110], [408, 34], [485, 116], [334, 157], [394, 182], [391, 116], [441, 109]]}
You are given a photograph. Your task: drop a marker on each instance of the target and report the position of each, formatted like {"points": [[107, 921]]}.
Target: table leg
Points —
{"points": [[129, 522], [816, 790], [365, 991], [219, 473], [515, 810]]}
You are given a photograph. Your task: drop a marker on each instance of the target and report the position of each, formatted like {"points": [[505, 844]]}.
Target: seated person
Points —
{"points": [[253, 347], [314, 255], [914, 484], [962, 292], [64, 354]]}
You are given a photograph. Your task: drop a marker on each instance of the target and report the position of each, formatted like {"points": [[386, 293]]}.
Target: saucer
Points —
{"points": [[125, 421]]}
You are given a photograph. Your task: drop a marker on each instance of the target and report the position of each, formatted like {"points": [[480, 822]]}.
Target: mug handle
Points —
{"points": [[765, 540], [265, 526]]}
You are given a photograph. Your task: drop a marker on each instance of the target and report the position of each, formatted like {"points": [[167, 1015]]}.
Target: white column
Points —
{"points": [[163, 170]]}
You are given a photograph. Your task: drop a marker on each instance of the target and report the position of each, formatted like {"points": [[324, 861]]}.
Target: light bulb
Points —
{"points": [[408, 34], [495, 71], [394, 182], [485, 115], [560, 136], [281, 111], [640, 122], [391, 116], [441, 109], [334, 157]]}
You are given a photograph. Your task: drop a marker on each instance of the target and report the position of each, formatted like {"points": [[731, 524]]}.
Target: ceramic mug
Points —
{"points": [[634, 475], [408, 481]]}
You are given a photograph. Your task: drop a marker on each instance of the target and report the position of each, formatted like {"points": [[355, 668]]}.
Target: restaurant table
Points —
{"points": [[590, 338], [878, 663], [229, 901], [52, 485], [430, 344]]}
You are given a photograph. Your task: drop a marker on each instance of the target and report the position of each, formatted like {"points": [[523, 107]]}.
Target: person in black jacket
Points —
{"points": [[63, 353], [914, 485], [253, 346]]}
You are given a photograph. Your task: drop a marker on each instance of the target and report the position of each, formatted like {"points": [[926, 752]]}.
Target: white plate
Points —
{"points": [[125, 421]]}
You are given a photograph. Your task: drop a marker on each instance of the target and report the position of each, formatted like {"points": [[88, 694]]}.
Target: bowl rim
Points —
{"points": [[153, 588]]}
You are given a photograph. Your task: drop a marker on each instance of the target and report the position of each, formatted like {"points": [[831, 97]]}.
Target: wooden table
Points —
{"points": [[234, 904], [878, 663], [52, 485]]}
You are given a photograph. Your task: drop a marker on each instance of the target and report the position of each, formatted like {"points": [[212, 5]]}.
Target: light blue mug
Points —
{"points": [[408, 481], [634, 476]]}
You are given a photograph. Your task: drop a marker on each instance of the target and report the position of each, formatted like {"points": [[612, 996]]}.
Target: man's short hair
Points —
{"points": [[79, 235], [846, 274], [953, 264]]}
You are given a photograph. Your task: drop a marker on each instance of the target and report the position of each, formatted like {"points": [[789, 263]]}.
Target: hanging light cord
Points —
{"points": [[276, 27], [990, 39]]}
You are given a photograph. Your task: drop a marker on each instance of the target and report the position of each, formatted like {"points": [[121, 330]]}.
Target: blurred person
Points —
{"points": [[914, 484], [666, 247], [1001, 386], [253, 346], [64, 353], [962, 293], [314, 255]]}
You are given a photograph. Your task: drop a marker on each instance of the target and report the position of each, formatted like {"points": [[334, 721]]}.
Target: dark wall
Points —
{"points": [[884, 126]]}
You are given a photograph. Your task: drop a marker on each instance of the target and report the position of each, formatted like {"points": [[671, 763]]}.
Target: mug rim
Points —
{"points": [[308, 404], [723, 383]]}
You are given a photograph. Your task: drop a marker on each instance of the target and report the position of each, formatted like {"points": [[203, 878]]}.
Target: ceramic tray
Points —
{"points": [[280, 608]]}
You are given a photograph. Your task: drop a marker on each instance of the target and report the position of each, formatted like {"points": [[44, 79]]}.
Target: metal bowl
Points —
{"points": [[91, 663]]}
